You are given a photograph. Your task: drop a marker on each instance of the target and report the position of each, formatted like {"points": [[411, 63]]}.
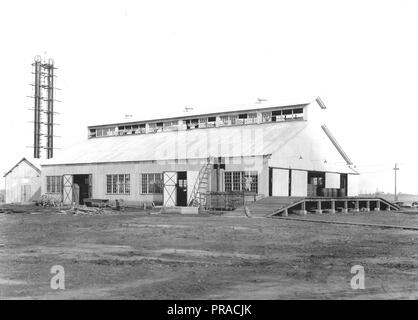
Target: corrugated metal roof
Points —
{"points": [[231, 141]]}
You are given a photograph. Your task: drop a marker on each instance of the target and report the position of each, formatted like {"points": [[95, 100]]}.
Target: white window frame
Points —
{"points": [[53, 184], [156, 188], [119, 184], [236, 181]]}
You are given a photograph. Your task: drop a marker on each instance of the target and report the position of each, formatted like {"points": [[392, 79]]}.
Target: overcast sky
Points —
{"points": [[145, 58]]}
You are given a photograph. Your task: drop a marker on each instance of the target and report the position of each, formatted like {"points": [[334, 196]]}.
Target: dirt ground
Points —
{"points": [[134, 255]]}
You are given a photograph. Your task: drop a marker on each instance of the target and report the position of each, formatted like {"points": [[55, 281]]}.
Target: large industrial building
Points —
{"points": [[273, 150]]}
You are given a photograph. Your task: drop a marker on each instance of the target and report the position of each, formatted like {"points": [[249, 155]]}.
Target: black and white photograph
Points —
{"points": [[191, 150]]}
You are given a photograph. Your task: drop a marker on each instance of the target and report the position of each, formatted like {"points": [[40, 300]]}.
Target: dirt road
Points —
{"points": [[141, 256]]}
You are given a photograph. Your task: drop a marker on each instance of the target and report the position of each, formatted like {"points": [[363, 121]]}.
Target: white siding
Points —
{"points": [[99, 172], [352, 185], [280, 182], [309, 149], [191, 181], [332, 180], [299, 183], [22, 175]]}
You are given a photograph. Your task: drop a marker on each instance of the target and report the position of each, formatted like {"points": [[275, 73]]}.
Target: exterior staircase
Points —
{"points": [[200, 188]]}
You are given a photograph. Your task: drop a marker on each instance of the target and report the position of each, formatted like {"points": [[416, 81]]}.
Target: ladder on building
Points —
{"points": [[198, 194]]}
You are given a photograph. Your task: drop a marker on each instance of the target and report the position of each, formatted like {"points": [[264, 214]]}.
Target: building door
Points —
{"points": [[67, 189], [90, 182], [280, 182], [25, 193], [170, 188], [343, 185], [182, 188], [316, 183], [83, 181]]}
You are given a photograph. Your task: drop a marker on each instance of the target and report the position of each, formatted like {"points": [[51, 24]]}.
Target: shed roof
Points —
{"points": [[23, 160]]}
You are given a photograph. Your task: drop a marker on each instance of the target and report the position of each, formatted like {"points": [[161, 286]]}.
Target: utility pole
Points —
{"points": [[396, 169]]}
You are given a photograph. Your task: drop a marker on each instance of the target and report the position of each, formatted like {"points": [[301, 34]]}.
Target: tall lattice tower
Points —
{"points": [[44, 98]]}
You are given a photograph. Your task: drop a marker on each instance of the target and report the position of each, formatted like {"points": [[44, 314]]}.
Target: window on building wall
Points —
{"points": [[228, 181], [287, 114], [111, 131], [241, 118], [92, 133], [250, 181], [141, 128], [128, 130], [234, 119], [192, 123], [121, 130], [211, 121], [241, 181], [266, 117], [224, 120], [236, 181], [152, 183], [277, 116], [167, 125], [203, 122], [152, 127], [170, 125], [53, 184], [118, 184], [252, 118], [298, 113]]}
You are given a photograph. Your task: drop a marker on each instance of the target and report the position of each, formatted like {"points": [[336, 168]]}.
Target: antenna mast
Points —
{"points": [[43, 103]]}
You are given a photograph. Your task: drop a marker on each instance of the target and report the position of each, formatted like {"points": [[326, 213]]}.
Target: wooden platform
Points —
{"points": [[266, 206], [271, 206]]}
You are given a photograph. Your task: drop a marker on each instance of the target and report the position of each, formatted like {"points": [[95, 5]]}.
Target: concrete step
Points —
{"points": [[180, 210]]}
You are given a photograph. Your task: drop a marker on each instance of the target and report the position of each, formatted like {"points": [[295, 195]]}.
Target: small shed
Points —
{"points": [[23, 182]]}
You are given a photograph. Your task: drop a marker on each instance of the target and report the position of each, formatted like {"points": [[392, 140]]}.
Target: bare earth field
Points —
{"points": [[140, 256]]}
